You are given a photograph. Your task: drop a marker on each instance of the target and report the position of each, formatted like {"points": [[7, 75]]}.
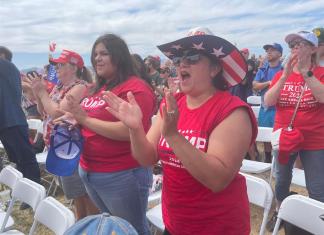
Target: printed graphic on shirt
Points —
{"points": [[291, 93], [196, 138], [93, 103]]}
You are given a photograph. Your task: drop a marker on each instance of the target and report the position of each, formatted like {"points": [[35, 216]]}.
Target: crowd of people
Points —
{"points": [[202, 129]]}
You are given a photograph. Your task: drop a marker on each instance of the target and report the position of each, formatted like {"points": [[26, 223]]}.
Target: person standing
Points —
{"points": [[261, 84], [13, 124]]}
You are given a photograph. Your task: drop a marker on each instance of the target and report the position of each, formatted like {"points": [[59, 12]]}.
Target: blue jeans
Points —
{"points": [[313, 162], [123, 194]]}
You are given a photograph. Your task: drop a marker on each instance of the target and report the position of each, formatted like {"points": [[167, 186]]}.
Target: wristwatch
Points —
{"points": [[309, 74]]}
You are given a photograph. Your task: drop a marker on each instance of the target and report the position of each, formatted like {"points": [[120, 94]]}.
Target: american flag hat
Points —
{"points": [[202, 39]]}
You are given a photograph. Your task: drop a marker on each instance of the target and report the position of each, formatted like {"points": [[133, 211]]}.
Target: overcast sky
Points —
{"points": [[27, 26]]}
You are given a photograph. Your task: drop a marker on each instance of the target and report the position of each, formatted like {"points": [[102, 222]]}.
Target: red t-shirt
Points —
{"points": [[188, 206], [101, 154], [310, 115]]}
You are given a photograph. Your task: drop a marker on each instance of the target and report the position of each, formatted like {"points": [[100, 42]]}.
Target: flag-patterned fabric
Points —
{"points": [[234, 65], [51, 74]]}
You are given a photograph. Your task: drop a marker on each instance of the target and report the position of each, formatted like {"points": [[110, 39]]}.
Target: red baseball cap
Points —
{"points": [[244, 50], [69, 57]]}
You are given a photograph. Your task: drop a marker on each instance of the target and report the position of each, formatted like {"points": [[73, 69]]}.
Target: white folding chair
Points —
{"points": [[260, 194], [9, 176], [298, 177], [255, 167], [26, 191], [154, 216], [154, 198], [253, 100], [53, 215], [256, 110], [304, 212], [37, 125]]}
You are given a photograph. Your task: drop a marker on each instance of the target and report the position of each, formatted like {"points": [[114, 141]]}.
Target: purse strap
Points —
{"points": [[290, 127]]}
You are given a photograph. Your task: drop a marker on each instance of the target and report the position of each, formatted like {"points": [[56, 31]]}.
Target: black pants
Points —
{"points": [[19, 150]]}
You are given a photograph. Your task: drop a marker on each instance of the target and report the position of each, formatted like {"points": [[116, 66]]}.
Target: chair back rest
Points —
{"points": [[253, 100], [303, 212], [54, 215], [9, 176], [259, 191], [264, 134], [256, 110], [29, 192]]}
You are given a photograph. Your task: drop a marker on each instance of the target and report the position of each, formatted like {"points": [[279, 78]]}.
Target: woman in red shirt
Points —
{"points": [[300, 72], [114, 180], [201, 136]]}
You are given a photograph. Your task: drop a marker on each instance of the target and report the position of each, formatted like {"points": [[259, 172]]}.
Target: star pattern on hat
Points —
{"points": [[167, 53], [198, 46], [218, 52], [177, 46]]}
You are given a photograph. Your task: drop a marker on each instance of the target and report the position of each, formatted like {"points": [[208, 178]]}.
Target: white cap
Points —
{"points": [[199, 31], [308, 36]]}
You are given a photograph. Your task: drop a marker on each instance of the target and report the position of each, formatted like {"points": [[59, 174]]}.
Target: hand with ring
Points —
{"points": [[170, 115]]}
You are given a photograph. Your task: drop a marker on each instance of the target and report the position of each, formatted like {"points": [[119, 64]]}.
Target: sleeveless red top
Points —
{"points": [[188, 206]]}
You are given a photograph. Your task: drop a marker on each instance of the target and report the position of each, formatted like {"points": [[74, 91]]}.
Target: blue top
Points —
{"points": [[11, 113], [264, 74]]}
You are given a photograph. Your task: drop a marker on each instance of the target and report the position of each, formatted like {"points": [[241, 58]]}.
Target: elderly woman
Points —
{"points": [[73, 78], [301, 78], [200, 135]]}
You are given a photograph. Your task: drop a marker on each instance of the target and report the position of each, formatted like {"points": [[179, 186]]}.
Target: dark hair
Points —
{"points": [[7, 53], [218, 81], [120, 57], [141, 69], [154, 62], [84, 74]]}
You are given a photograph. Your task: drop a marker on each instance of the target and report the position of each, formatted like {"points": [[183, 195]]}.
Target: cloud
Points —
{"points": [[28, 26]]}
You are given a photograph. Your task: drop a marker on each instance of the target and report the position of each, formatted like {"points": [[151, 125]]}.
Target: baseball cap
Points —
{"points": [[308, 36], [64, 151], [319, 32], [69, 57], [274, 45], [101, 224], [244, 50]]}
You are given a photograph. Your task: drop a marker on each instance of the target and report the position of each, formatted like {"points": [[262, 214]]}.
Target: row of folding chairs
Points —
{"points": [[48, 211], [299, 210]]}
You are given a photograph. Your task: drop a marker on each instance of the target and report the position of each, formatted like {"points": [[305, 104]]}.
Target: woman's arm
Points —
{"points": [[227, 146], [317, 88], [272, 95]]}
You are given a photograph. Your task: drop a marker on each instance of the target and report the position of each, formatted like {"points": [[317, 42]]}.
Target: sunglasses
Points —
{"points": [[188, 59], [294, 43], [163, 71], [59, 65]]}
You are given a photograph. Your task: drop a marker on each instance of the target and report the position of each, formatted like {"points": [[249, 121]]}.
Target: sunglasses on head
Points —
{"points": [[189, 58], [294, 43], [165, 70]]}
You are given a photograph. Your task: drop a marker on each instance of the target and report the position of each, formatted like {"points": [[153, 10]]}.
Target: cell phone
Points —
{"points": [[33, 73]]}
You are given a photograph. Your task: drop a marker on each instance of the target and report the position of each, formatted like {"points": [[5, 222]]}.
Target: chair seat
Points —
{"points": [[10, 222], [12, 232], [41, 157], [298, 177], [154, 215], [255, 167], [155, 198], [1, 145]]}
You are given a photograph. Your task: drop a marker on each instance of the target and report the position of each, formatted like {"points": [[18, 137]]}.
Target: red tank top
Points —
{"points": [[188, 206]]}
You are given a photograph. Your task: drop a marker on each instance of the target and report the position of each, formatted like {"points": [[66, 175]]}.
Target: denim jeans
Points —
{"points": [[313, 163], [123, 194]]}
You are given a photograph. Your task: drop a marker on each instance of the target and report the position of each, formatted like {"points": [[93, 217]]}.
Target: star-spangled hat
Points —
{"points": [[202, 39]]}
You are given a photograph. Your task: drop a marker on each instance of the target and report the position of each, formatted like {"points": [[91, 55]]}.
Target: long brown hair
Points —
{"points": [[120, 57]]}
